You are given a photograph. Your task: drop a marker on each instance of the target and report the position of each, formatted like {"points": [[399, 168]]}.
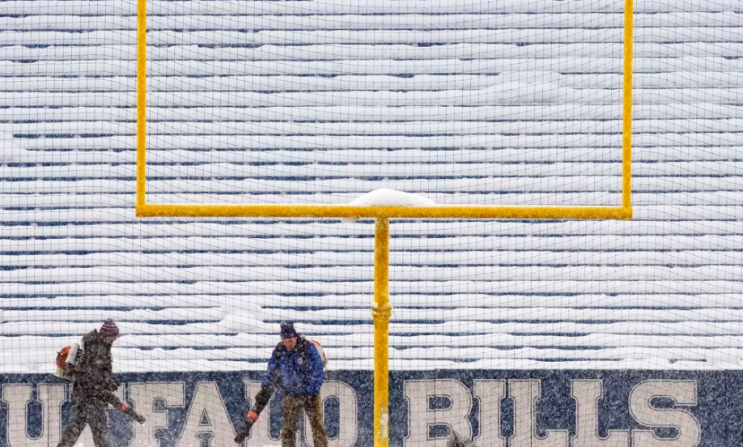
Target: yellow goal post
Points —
{"points": [[381, 309], [145, 209]]}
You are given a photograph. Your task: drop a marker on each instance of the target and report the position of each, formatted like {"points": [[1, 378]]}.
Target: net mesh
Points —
{"points": [[487, 103]]}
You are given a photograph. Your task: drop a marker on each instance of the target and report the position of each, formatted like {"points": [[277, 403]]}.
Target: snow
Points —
{"points": [[474, 103], [236, 304], [322, 286], [402, 113], [511, 94], [350, 273], [441, 190], [325, 142], [368, 52], [517, 36], [118, 204], [613, 81], [452, 127], [365, 22], [388, 197], [231, 7], [694, 235], [345, 243], [10, 149], [257, 170], [376, 67], [329, 258], [685, 142]]}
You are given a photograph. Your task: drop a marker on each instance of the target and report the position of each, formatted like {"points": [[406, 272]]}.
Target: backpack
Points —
{"points": [[320, 351], [302, 340], [66, 358]]}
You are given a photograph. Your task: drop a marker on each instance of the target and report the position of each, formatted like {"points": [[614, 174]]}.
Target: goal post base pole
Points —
{"points": [[381, 312]]}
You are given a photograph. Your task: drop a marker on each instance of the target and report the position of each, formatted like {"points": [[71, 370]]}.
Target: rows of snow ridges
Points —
{"points": [[294, 102]]}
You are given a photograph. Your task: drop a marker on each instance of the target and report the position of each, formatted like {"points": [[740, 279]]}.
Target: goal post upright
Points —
{"points": [[141, 104], [381, 309], [629, 11]]}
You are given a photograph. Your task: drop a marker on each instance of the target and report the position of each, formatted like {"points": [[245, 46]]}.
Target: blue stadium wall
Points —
{"points": [[639, 408]]}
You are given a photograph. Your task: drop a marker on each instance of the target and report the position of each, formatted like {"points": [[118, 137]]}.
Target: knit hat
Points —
{"points": [[109, 329], [287, 330]]}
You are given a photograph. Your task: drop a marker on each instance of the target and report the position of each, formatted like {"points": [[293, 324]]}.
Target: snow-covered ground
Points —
{"points": [[487, 102]]}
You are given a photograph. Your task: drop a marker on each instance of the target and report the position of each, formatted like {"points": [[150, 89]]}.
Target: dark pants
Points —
{"points": [[92, 412], [312, 406]]}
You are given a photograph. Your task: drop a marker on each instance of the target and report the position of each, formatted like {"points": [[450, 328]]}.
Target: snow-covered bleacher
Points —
{"points": [[662, 291]]}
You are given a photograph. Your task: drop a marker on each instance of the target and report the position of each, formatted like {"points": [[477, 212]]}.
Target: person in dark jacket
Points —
{"points": [[93, 387], [295, 367]]}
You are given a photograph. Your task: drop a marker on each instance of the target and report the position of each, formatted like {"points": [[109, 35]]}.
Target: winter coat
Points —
{"points": [[299, 372], [92, 374]]}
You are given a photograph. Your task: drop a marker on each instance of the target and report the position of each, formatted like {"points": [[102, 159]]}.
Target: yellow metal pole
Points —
{"points": [[407, 212], [381, 312], [629, 15], [141, 98]]}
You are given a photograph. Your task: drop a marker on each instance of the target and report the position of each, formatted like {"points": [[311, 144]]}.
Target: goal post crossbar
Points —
{"points": [[432, 212]]}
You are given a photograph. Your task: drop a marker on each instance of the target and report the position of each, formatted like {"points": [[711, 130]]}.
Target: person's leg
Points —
{"points": [[292, 407], [313, 410], [75, 427], [98, 421]]}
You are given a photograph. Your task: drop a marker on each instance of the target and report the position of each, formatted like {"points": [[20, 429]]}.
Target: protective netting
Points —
{"points": [[475, 102], [500, 329]]}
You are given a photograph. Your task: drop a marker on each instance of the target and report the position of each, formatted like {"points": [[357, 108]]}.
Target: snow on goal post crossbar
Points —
{"points": [[490, 109]]}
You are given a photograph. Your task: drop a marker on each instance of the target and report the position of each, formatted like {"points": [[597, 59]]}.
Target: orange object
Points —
{"points": [[62, 356], [321, 351]]}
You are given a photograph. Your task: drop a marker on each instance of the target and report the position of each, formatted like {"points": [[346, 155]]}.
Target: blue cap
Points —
{"points": [[287, 330]]}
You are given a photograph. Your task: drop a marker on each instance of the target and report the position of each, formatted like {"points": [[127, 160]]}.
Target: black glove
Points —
{"points": [[244, 431], [261, 400], [136, 416]]}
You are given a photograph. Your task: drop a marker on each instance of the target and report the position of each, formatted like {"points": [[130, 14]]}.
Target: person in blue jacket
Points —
{"points": [[297, 368]]}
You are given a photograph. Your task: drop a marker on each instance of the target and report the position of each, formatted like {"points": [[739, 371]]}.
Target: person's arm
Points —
{"points": [[112, 399], [272, 373], [122, 406], [317, 375], [261, 399]]}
